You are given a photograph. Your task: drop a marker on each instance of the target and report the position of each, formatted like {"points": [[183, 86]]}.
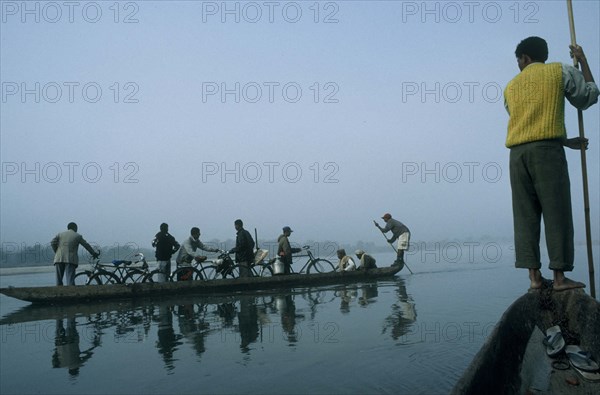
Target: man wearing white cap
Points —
{"points": [[400, 232]]}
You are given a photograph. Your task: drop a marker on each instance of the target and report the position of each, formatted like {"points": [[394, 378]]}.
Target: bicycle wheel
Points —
{"points": [[153, 277], [264, 270], [234, 272], [186, 273], [209, 272], [83, 278], [320, 266], [103, 277], [134, 276]]}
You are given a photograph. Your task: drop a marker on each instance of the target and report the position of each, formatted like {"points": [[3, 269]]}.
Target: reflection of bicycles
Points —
{"points": [[313, 265], [119, 272], [224, 267]]}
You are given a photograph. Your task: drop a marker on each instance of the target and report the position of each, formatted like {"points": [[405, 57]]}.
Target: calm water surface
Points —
{"points": [[413, 334]]}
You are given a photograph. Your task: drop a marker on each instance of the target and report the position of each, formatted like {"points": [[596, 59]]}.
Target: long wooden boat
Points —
{"points": [[76, 294], [513, 359]]}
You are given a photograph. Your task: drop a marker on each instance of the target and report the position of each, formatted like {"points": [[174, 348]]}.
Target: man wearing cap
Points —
{"points": [[366, 261], [285, 250], [400, 232]]}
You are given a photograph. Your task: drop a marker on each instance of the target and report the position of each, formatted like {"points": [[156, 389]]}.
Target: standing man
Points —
{"points": [[285, 250], [244, 248], [539, 177], [166, 246], [400, 232], [65, 246], [190, 250]]}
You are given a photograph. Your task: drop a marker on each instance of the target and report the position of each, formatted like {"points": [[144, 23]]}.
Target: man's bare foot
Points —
{"points": [[536, 279], [567, 283]]}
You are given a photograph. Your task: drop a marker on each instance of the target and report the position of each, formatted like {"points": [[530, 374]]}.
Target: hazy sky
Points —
{"points": [[318, 115]]}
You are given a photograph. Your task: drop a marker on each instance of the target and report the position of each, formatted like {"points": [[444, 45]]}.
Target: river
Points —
{"points": [[412, 334]]}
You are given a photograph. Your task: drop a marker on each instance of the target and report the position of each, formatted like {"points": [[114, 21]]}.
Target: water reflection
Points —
{"points": [[257, 321], [168, 340], [403, 314], [363, 295], [67, 353]]}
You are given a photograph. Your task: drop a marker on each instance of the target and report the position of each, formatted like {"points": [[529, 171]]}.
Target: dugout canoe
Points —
{"points": [[513, 359], [82, 293]]}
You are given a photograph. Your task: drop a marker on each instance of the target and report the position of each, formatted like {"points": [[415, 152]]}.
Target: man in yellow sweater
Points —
{"points": [[539, 176]]}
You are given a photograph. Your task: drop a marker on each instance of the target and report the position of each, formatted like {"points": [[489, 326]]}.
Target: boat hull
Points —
{"points": [[501, 365], [76, 294]]}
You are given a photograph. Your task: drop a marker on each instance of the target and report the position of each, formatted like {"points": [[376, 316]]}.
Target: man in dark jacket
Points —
{"points": [[244, 248], [166, 246], [285, 250]]}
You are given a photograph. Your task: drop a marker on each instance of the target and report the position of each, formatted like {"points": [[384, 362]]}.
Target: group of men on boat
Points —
{"points": [[539, 179], [66, 245]]}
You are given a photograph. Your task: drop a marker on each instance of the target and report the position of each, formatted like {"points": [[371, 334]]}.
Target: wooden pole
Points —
{"points": [[586, 197]]}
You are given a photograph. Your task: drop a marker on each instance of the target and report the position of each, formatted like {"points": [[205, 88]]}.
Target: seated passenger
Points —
{"points": [[366, 261], [346, 263]]}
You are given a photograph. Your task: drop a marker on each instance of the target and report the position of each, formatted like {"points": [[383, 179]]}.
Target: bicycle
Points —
{"points": [[318, 265], [182, 273], [224, 267], [120, 272]]}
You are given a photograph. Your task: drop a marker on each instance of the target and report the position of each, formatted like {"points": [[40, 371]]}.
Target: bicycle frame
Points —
{"points": [[120, 271], [308, 262]]}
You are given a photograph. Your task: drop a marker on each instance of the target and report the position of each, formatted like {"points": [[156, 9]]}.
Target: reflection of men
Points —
{"points": [[65, 246], [190, 250], [539, 176], [248, 322], [287, 309], [67, 353], [400, 232], [167, 339], [366, 261], [285, 250], [403, 314], [346, 263], [166, 246], [244, 248]]}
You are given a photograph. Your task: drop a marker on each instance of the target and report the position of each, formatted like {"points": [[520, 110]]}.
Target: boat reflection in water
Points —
{"points": [[172, 335]]}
